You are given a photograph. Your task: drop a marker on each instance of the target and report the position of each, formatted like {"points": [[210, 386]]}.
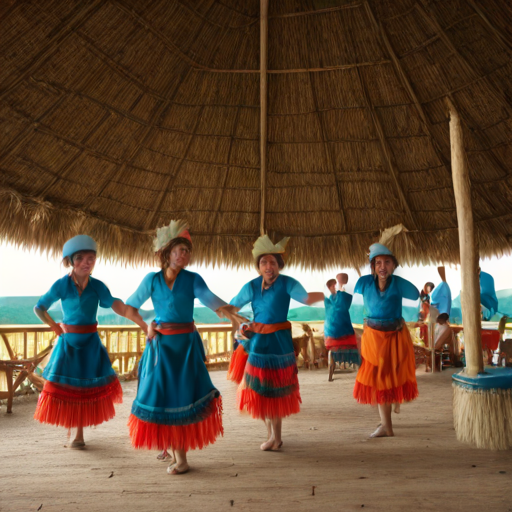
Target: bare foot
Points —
{"points": [[77, 444], [271, 445], [382, 432], [176, 469], [166, 456]]}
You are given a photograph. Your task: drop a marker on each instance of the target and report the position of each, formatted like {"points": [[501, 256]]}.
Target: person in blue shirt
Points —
{"points": [[441, 298], [488, 298], [81, 386], [339, 336], [270, 388], [177, 406], [388, 372]]}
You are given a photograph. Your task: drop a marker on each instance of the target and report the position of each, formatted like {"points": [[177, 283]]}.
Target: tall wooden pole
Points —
{"points": [[470, 293], [263, 106]]}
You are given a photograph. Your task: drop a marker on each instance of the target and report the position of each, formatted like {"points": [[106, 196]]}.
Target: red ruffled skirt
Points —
{"points": [[270, 387], [388, 370], [147, 435], [237, 364], [70, 407]]}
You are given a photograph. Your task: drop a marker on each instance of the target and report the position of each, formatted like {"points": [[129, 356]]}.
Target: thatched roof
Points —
{"points": [[117, 116]]}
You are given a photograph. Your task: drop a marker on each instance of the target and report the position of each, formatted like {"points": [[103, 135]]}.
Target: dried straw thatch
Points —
{"points": [[119, 115]]}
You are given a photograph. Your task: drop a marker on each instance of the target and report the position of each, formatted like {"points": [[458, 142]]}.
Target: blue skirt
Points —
{"points": [[177, 404]]}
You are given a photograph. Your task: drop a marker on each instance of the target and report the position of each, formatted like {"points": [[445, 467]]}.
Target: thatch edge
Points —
{"points": [[32, 223]]}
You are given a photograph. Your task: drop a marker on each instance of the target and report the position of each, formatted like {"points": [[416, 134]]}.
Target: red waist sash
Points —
{"points": [[170, 328], [268, 328], [80, 329]]}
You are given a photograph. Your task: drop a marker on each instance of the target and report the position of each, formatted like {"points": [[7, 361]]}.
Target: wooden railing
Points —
{"points": [[124, 344]]}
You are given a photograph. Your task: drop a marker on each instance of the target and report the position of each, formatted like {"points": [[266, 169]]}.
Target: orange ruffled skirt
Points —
{"points": [[388, 370], [69, 406]]}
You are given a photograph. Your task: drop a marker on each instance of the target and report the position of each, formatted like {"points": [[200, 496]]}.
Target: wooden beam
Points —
{"points": [[499, 35], [470, 292], [263, 108], [57, 36], [386, 152], [328, 156], [406, 84]]}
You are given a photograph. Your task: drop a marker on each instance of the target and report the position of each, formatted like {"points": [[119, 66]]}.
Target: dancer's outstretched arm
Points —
{"points": [[131, 313]]}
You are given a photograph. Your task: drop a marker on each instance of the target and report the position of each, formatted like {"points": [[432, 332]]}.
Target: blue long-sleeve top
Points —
{"points": [[270, 306], [176, 305], [385, 306], [442, 298], [488, 296], [337, 318], [77, 309]]}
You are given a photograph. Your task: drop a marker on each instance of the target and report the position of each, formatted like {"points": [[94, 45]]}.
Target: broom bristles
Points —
{"points": [[482, 418]]}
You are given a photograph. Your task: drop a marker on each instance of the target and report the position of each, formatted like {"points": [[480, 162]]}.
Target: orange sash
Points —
{"points": [[269, 328], [170, 328], [80, 329]]}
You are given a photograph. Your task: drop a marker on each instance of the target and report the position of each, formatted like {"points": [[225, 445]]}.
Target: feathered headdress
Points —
{"points": [[175, 229], [265, 246], [386, 237]]}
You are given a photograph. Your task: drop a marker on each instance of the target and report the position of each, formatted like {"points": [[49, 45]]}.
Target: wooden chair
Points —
{"points": [[17, 370]]}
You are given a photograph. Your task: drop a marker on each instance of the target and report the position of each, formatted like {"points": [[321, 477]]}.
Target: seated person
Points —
{"points": [[444, 335]]}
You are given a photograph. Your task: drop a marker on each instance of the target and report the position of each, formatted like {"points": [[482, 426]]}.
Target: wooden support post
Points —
{"points": [[263, 106], [25, 344], [10, 389], [470, 292]]}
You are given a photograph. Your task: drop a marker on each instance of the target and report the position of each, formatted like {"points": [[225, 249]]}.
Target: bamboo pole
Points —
{"points": [[263, 106], [470, 292]]}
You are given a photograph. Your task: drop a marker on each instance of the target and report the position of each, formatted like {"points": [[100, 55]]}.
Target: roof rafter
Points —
{"points": [[408, 87], [67, 168], [329, 158], [386, 151], [67, 27], [172, 177]]}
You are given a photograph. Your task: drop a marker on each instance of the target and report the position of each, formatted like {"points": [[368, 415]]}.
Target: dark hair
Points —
{"points": [[278, 257], [68, 260], [330, 283], [429, 284], [443, 316], [164, 253], [372, 262]]}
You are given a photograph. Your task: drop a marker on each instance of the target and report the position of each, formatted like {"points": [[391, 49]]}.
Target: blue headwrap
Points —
{"points": [[78, 243], [379, 250]]}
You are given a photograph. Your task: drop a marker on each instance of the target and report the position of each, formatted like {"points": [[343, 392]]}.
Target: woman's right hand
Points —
{"points": [[151, 331], [57, 329]]}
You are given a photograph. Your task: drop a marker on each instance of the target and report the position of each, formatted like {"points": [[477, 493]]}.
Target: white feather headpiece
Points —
{"points": [[388, 234], [265, 246], [165, 234]]}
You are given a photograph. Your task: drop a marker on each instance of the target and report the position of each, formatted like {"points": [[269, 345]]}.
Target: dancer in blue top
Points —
{"points": [[177, 405], [81, 386], [270, 388], [388, 372], [340, 339], [441, 298], [488, 298]]}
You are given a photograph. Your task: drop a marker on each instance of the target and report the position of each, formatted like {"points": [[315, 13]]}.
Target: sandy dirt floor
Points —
{"points": [[326, 448]]}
